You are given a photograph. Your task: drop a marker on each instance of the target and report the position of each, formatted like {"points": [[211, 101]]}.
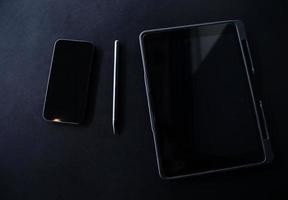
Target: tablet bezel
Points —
{"points": [[257, 103]]}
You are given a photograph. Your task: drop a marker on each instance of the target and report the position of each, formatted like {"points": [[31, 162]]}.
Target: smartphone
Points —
{"points": [[204, 114], [68, 82]]}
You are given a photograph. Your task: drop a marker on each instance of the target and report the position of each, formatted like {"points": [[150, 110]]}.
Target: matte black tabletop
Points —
{"points": [[41, 160]]}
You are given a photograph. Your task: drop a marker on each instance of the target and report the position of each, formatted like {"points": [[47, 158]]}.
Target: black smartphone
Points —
{"points": [[68, 82], [204, 114]]}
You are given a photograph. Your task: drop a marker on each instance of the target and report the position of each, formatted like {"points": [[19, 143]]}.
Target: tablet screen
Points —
{"points": [[204, 117]]}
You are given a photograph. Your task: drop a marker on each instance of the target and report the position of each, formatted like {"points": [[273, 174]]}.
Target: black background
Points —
{"points": [[40, 160]]}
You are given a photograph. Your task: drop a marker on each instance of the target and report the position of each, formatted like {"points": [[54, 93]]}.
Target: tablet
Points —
{"points": [[204, 114]]}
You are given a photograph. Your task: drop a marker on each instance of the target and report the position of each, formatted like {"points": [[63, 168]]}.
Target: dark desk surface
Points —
{"points": [[40, 160]]}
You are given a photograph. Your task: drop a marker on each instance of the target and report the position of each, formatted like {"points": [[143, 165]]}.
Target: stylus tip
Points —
{"points": [[114, 129]]}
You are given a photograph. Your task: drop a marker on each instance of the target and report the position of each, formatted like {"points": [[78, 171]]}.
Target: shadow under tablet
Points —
{"points": [[202, 108]]}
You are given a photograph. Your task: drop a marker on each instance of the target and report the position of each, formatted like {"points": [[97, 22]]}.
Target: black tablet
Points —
{"points": [[204, 114]]}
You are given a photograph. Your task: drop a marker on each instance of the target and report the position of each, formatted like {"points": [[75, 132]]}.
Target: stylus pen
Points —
{"points": [[115, 88]]}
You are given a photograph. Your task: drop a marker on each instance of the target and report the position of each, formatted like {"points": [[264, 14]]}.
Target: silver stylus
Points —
{"points": [[115, 88]]}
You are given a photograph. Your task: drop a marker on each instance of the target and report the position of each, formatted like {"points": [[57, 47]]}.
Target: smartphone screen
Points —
{"points": [[200, 100], [68, 82]]}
